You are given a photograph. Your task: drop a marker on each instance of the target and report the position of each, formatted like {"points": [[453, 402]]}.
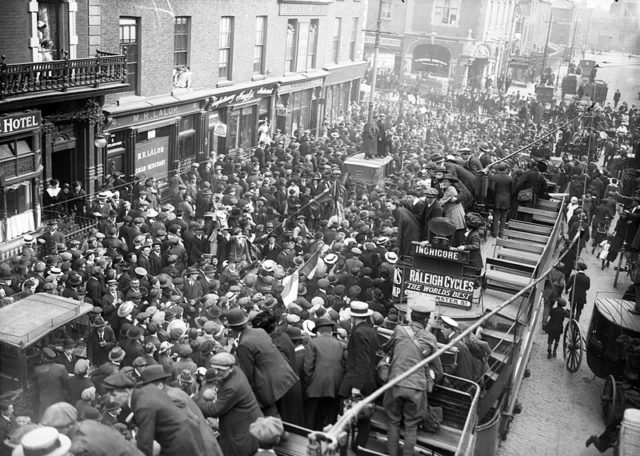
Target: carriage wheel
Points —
{"points": [[572, 346], [609, 398], [615, 280]]}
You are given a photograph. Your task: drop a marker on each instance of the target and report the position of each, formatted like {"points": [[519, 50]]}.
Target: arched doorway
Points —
{"points": [[431, 59]]}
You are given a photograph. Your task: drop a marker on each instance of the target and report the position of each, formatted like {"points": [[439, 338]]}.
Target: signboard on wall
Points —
{"points": [[19, 122], [447, 290], [152, 158]]}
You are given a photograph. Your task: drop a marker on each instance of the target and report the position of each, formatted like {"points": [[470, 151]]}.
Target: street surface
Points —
{"points": [[561, 410]]}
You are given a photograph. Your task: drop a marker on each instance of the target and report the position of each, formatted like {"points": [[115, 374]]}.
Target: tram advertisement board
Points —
{"points": [[448, 290]]}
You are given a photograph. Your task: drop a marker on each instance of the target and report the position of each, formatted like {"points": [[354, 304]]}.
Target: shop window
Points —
{"points": [[53, 29], [312, 44], [335, 51], [16, 157], [291, 46], [181, 41], [186, 141], [18, 199], [299, 110], [259, 48], [130, 46], [225, 44]]}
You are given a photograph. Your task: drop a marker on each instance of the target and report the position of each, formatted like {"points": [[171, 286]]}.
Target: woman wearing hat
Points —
{"points": [[471, 242], [453, 210]]}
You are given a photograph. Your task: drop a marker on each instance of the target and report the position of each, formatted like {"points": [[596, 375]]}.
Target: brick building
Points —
{"points": [[53, 80], [205, 74], [452, 43]]}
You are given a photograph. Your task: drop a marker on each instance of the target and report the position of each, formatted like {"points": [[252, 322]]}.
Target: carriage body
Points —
{"points": [[611, 319]]}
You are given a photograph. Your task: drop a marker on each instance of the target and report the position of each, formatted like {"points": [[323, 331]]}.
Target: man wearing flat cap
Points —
{"points": [[52, 381], [576, 288], [432, 209], [236, 406], [155, 415]]}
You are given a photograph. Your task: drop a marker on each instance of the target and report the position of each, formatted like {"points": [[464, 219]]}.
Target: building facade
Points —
{"points": [[54, 77], [207, 75], [454, 43]]}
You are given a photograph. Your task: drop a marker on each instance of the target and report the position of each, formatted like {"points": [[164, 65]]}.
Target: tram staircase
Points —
{"points": [[516, 261]]}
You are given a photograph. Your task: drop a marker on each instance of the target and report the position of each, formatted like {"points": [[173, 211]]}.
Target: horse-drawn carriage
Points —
{"points": [[613, 353]]}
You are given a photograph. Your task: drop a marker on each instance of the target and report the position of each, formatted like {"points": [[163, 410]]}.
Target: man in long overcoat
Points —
{"points": [[269, 374], [502, 186], [323, 370], [408, 228], [236, 406], [52, 381]]}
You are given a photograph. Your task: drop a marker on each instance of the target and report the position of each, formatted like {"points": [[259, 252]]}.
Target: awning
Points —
{"points": [[345, 72]]}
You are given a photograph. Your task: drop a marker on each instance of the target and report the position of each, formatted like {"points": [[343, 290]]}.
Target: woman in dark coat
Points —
{"points": [[471, 241], [555, 326]]}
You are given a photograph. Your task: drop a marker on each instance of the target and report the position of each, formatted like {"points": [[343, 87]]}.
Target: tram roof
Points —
{"points": [[619, 312], [28, 320]]}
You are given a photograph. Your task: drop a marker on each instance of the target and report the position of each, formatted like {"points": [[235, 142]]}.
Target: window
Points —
{"points": [[53, 28], [446, 12], [225, 44], [354, 38], [335, 50], [385, 5], [130, 46], [258, 49], [292, 46], [181, 41], [312, 44]]}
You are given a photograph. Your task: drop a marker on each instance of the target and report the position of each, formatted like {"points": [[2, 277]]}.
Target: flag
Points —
{"points": [[324, 197], [290, 292], [309, 268]]}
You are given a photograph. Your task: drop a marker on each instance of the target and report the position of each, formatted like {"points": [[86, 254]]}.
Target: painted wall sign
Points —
{"points": [[20, 121], [152, 157], [242, 97]]}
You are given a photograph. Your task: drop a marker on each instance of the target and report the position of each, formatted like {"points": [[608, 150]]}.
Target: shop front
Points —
{"points": [[297, 102], [341, 89], [152, 142], [234, 116], [20, 173]]}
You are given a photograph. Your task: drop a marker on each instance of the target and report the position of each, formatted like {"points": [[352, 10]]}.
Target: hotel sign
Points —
{"points": [[20, 122]]}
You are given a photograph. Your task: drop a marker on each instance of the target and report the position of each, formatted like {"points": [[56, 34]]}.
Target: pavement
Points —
{"points": [[560, 410]]}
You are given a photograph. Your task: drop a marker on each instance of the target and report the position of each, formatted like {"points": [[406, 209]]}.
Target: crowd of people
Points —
{"points": [[253, 286]]}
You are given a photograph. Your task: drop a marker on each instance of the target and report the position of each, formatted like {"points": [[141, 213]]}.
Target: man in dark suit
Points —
{"points": [[52, 381], [156, 417], [431, 210], [236, 405], [101, 341], [408, 229], [132, 346], [67, 358], [323, 373], [576, 288], [269, 374], [7, 425], [360, 368], [501, 186], [199, 245], [532, 179]]}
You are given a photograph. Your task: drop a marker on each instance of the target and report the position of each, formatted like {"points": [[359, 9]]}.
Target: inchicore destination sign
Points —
{"points": [[443, 254]]}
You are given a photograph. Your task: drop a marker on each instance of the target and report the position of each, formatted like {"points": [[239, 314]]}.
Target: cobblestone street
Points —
{"points": [[561, 410]]}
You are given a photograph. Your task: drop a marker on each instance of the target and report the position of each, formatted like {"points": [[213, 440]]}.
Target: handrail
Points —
{"points": [[333, 433], [34, 77]]}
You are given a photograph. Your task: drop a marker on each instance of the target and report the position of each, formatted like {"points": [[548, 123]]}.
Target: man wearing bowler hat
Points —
{"points": [[360, 368], [101, 340], [269, 374], [407, 400], [155, 415], [323, 373]]}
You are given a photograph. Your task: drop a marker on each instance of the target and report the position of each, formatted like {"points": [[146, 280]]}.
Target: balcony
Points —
{"points": [[63, 79]]}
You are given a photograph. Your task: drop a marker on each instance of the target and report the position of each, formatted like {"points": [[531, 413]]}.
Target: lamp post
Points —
{"points": [[546, 47], [376, 50]]}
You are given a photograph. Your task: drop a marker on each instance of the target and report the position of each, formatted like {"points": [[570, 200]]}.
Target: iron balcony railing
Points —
{"points": [[17, 79]]}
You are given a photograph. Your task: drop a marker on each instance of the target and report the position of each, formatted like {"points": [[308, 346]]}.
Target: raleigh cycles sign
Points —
{"points": [[448, 290]]}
